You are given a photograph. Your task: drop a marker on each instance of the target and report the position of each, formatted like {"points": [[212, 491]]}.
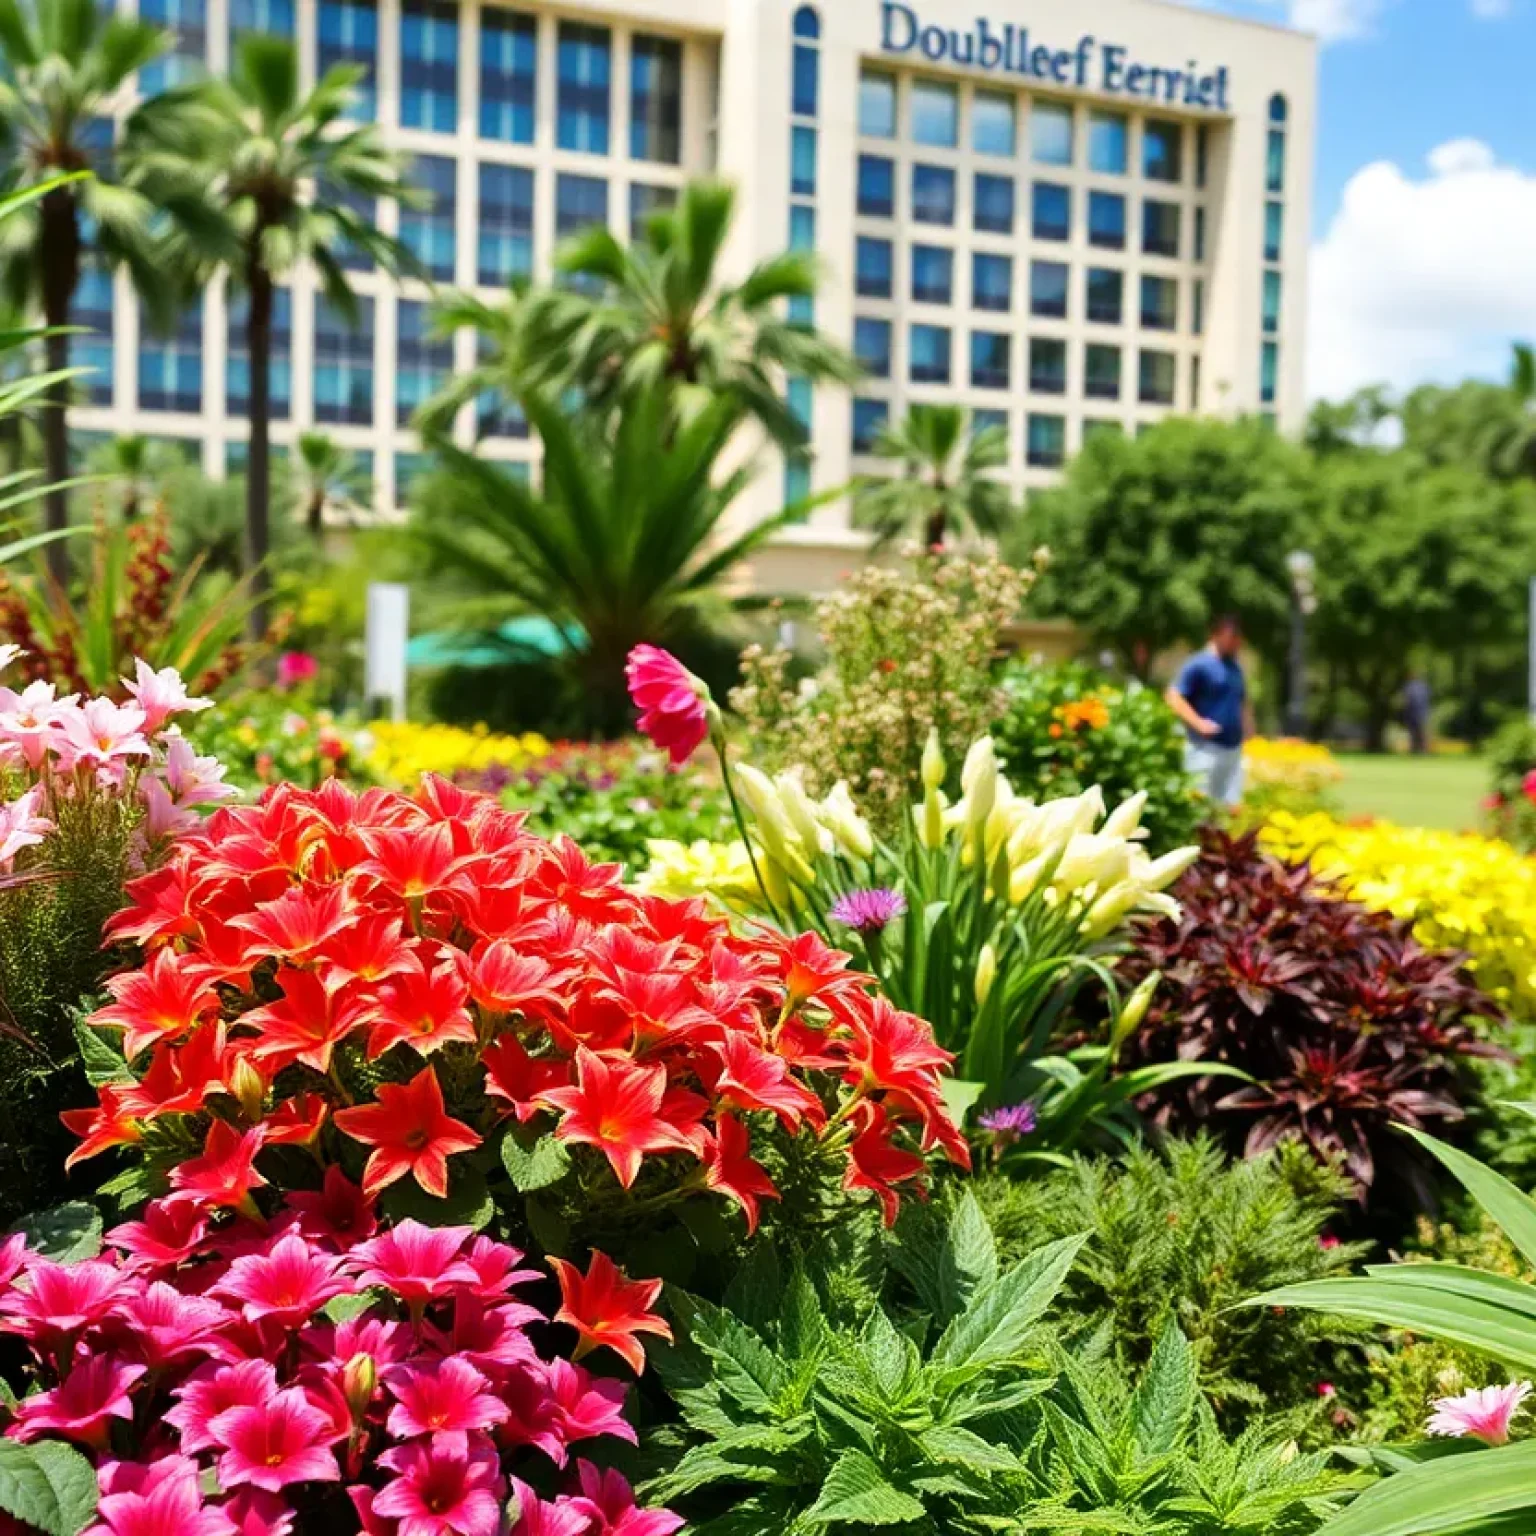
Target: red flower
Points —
{"points": [[513, 1075], [225, 1174], [671, 700], [410, 1132], [93, 1394], [606, 1308], [114, 1122], [339, 1213], [502, 979], [415, 862], [1528, 786], [425, 1009], [297, 924], [729, 1167], [754, 1079], [305, 1024], [875, 1163], [163, 1000]]}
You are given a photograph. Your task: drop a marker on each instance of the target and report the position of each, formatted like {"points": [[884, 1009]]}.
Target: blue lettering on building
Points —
{"points": [[1009, 50]]}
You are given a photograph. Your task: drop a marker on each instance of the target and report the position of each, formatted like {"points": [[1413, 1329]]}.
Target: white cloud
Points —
{"points": [[1492, 10], [1424, 278], [1336, 21]]}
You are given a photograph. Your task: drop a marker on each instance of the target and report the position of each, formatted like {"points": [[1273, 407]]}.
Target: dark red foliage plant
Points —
{"points": [[1345, 1023]]}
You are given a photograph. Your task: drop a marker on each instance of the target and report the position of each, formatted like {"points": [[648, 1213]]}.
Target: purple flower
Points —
{"points": [[1012, 1121], [868, 911]]}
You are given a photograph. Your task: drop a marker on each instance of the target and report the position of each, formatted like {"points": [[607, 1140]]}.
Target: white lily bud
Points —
{"points": [[1159, 874], [1136, 1005], [986, 974], [930, 818], [934, 768], [841, 817], [800, 811], [1111, 909], [1125, 819]]}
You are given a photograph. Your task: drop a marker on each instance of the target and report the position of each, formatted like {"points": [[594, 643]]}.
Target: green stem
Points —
{"points": [[741, 827]]}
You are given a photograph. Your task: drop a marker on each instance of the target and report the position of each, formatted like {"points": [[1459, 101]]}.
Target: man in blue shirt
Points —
{"points": [[1211, 698]]}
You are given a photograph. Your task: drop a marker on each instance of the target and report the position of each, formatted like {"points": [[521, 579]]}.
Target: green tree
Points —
{"points": [[1345, 425], [1478, 422], [1151, 535], [137, 466], [63, 64], [947, 481], [256, 176], [322, 474]]}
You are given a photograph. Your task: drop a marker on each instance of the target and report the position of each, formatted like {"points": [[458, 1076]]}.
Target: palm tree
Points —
{"points": [[323, 474], [138, 466], [947, 480], [626, 318], [63, 66], [255, 176]]}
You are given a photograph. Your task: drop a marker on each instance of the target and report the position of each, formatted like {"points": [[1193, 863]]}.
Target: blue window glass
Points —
{"points": [[1048, 289], [1197, 309], [275, 18], [1271, 302], [872, 346], [992, 124], [802, 161], [801, 310], [1199, 234], [429, 65], [655, 99], [365, 209], [933, 195], [802, 227], [874, 268], [990, 421], [991, 282], [935, 114], [877, 186], [990, 352], [1278, 108], [505, 237], [1101, 372], [1050, 133], [344, 363], [1052, 211], [807, 22], [1106, 295], [237, 370], [797, 480], [993, 212], [580, 202], [422, 360], [1158, 372], [1274, 230], [798, 396], [877, 104], [171, 366], [869, 419], [584, 89], [933, 274], [1108, 137], [1047, 365], [929, 348], [1159, 303], [646, 201], [805, 87], [1162, 151], [428, 231], [509, 73], [1202, 154], [187, 21], [1106, 221], [349, 34], [495, 414], [1047, 441], [1274, 162], [92, 348], [1159, 228]]}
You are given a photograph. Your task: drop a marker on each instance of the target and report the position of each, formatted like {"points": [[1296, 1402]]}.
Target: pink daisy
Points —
{"points": [[1483, 1412]]}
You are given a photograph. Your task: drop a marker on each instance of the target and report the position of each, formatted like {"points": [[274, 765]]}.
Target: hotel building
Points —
{"points": [[1069, 218]]}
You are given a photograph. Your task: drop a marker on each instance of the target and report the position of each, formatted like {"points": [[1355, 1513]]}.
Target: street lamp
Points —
{"points": [[1303, 570]]}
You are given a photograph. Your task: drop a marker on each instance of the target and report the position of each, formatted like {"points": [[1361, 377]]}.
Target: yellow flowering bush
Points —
{"points": [[678, 871], [399, 753], [1461, 891], [1285, 774]]}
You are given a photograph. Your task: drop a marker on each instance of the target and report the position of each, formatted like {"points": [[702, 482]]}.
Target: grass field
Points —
{"points": [[1440, 792]]}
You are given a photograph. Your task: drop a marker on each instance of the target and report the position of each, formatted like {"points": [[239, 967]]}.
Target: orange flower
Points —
{"points": [[606, 1308], [410, 1133]]}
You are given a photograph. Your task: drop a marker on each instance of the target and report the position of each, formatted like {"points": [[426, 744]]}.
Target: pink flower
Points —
{"points": [[491, 1338], [586, 1405], [270, 1444], [441, 1397], [673, 703], [161, 694], [417, 1263], [496, 1265], [1484, 1412], [442, 1490], [14, 1256], [158, 1498], [57, 1302], [295, 667], [101, 734], [288, 1284], [170, 1232], [562, 1517], [193, 780], [338, 1213], [29, 721], [212, 1391], [21, 826], [94, 1393], [255, 1512], [164, 1327], [613, 1504]]}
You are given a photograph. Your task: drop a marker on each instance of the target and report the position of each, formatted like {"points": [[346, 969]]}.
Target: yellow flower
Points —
{"points": [[1290, 764], [401, 752], [679, 871]]}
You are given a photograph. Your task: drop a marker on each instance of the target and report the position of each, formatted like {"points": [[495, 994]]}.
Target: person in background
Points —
{"points": [[1416, 703], [1211, 697]]}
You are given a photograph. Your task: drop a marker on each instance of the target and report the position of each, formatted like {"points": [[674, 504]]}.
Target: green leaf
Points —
{"points": [[1514, 1211], [469, 1202], [342, 1309], [102, 1060], [856, 1490], [534, 1167], [49, 1485], [960, 1097], [948, 1442], [66, 1233], [802, 1332], [744, 1365], [1166, 1396]]}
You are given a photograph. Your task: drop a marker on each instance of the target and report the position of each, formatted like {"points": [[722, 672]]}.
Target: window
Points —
{"points": [[1197, 307], [807, 22], [585, 64], [992, 124], [1093, 429], [187, 21], [655, 99], [509, 74], [1274, 230], [1108, 137], [349, 34], [1199, 234], [352, 258], [1202, 155], [798, 397], [877, 104], [644, 202], [274, 17], [1106, 295], [1274, 163], [1047, 366], [1047, 446], [428, 231], [1101, 372], [237, 369], [869, 419], [429, 65], [580, 202], [933, 274], [933, 195], [92, 348], [1160, 228], [1278, 109], [1106, 220], [422, 360], [1162, 151], [1159, 303], [872, 346], [1271, 302], [991, 421], [802, 161], [991, 282], [805, 86], [505, 241], [874, 268], [797, 480], [929, 346], [410, 470], [496, 415], [989, 360], [802, 227], [935, 114], [877, 186], [1048, 289], [1052, 211], [1050, 133], [1269, 372], [343, 363], [993, 212], [171, 367], [1158, 371]]}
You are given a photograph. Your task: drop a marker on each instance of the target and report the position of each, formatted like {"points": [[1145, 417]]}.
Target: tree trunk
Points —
{"points": [[258, 473], [938, 526], [314, 515], [59, 250]]}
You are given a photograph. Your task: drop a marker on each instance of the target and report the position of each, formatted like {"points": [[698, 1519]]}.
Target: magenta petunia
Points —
{"points": [[214, 1390], [288, 1284], [169, 1233], [557, 1517], [417, 1263], [496, 1266], [273, 1443], [158, 1498], [338, 1214], [84, 1404], [442, 1490], [614, 1508], [162, 1327], [54, 1303], [255, 1512], [441, 1397]]}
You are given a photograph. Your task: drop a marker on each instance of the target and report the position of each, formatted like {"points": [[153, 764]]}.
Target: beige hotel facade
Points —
{"points": [[1070, 217]]}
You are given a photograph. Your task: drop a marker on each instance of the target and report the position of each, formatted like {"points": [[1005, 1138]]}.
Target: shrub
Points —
{"points": [[268, 736], [1065, 728], [1283, 774], [400, 752], [1344, 1022], [1511, 800]]}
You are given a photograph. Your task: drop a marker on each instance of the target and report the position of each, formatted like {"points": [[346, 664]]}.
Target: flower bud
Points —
{"points": [[842, 818], [249, 1087], [933, 763], [1135, 1009], [1159, 874], [359, 1379], [930, 820], [799, 809], [986, 974], [1126, 817]]}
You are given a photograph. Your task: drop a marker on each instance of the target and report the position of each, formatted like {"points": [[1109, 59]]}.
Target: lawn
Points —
{"points": [[1414, 791]]}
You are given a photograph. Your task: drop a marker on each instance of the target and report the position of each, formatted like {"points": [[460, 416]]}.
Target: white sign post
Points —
{"points": [[389, 627]]}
